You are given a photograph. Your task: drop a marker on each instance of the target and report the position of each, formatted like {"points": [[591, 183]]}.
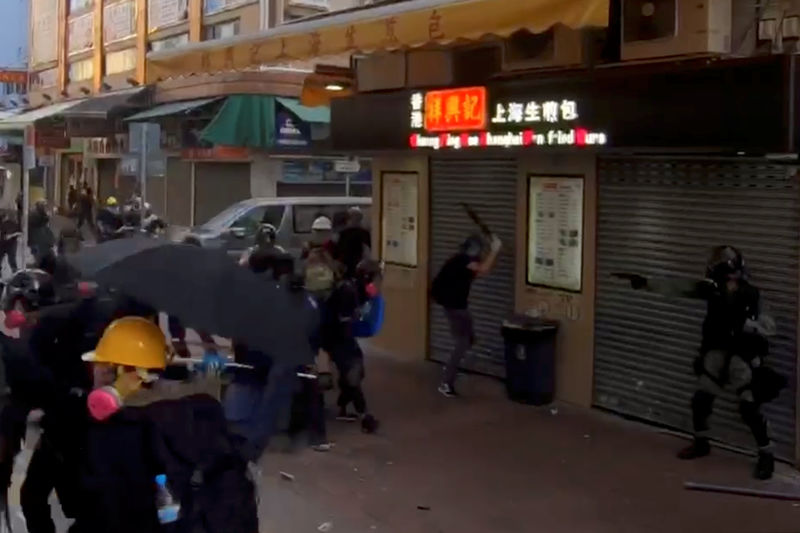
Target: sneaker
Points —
{"points": [[765, 466], [448, 391], [697, 449], [345, 416], [324, 447], [369, 424]]}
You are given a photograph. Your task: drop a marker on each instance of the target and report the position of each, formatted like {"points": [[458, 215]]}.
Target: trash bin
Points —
{"points": [[530, 359]]}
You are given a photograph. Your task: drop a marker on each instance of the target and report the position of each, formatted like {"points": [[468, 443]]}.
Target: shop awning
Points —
{"points": [[23, 120], [391, 27], [101, 106], [312, 115], [172, 108], [245, 120]]}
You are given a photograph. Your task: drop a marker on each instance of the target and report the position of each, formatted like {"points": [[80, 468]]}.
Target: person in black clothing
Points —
{"points": [[451, 288], [339, 313], [9, 235], [86, 207], [57, 339], [734, 343], [354, 242], [72, 200], [41, 236]]}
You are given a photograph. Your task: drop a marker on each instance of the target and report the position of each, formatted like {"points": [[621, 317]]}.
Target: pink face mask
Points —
{"points": [[371, 289], [14, 319], [103, 403]]}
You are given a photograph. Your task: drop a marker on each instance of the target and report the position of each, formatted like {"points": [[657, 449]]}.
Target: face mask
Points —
{"points": [[105, 401]]}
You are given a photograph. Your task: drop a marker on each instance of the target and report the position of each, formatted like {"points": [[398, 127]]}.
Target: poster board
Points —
{"points": [[399, 218], [555, 232]]}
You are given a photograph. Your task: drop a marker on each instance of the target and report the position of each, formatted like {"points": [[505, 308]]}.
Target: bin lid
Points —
{"points": [[528, 323]]}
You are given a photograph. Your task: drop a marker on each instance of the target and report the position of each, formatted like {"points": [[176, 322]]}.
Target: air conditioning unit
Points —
{"points": [[560, 46], [663, 28]]}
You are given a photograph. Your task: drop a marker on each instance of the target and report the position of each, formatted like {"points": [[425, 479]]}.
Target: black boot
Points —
{"points": [[697, 449], [765, 466]]}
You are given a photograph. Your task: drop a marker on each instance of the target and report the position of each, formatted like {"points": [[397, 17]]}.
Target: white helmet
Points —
{"points": [[322, 224]]}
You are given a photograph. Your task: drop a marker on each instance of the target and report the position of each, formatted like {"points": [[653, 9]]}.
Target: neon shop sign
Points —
{"points": [[461, 118]]}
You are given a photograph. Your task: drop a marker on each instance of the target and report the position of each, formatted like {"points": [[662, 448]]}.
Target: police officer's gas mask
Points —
{"points": [[724, 265]]}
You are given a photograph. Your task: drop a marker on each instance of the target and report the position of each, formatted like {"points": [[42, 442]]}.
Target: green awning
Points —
{"points": [[313, 115], [172, 108], [246, 120]]}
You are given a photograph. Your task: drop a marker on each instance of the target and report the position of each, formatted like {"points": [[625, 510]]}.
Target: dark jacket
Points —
{"points": [[187, 440]]}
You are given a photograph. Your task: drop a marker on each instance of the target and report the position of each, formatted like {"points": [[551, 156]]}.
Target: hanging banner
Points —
{"points": [[119, 21], [555, 232], [399, 218], [163, 13], [80, 34], [44, 38]]}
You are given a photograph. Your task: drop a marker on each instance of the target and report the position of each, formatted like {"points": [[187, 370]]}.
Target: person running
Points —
{"points": [[734, 345], [451, 288], [41, 236]]}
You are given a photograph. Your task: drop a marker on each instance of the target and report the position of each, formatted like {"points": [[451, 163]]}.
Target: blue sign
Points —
{"points": [[291, 131]]}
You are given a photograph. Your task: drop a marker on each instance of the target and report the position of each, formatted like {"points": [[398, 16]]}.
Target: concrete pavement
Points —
{"points": [[482, 464]]}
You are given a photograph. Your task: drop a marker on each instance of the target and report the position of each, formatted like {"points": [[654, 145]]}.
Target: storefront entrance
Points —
{"points": [[661, 217], [490, 187]]}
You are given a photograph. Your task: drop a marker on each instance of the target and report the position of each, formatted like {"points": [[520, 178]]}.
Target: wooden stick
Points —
{"points": [[742, 491]]}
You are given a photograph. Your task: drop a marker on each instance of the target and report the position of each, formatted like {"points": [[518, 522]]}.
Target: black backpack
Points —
{"points": [[187, 440]]}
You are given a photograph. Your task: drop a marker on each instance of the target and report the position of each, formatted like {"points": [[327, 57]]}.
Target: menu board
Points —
{"points": [[400, 218], [555, 232]]}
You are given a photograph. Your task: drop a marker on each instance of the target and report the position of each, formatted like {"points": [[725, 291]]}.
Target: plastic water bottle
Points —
{"points": [[168, 508]]}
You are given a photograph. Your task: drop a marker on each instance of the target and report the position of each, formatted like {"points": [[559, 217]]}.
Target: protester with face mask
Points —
{"points": [[451, 288], [144, 428], [732, 352]]}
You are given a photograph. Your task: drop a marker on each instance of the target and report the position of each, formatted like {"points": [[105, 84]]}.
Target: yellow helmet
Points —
{"points": [[131, 341], [111, 201]]}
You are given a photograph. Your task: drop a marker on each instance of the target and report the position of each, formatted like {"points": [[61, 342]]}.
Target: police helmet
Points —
{"points": [[724, 263]]}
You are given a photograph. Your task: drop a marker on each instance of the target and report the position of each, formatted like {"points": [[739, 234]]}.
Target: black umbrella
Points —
{"points": [[206, 290], [92, 259]]}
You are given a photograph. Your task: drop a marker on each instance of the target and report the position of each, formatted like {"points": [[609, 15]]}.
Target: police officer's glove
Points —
{"points": [[213, 363]]}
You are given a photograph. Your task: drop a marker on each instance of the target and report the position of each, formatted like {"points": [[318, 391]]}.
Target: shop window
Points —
{"points": [[81, 70], [222, 30], [121, 61], [555, 232], [263, 214], [169, 43], [304, 215]]}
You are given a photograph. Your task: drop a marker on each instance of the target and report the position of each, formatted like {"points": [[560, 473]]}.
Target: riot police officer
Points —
{"points": [[734, 343]]}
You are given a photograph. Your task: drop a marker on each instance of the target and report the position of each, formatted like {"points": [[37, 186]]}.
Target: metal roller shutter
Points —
{"points": [[179, 192], [661, 217], [218, 186], [490, 187]]}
